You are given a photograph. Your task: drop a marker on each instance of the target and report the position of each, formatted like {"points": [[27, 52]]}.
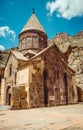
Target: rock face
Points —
{"points": [[76, 63], [4, 56], [62, 40], [72, 47]]}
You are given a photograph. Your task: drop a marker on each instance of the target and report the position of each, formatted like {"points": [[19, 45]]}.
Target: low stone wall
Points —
{"points": [[18, 98]]}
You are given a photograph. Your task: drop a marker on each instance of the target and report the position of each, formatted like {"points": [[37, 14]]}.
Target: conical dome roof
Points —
{"points": [[33, 24]]}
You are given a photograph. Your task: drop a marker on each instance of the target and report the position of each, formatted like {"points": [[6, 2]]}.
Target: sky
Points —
{"points": [[54, 15]]}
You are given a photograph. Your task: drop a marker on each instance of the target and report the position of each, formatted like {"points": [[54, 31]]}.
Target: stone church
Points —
{"points": [[37, 75]]}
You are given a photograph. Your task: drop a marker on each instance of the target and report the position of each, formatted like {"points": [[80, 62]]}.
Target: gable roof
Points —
{"points": [[42, 52], [33, 24], [19, 55], [31, 52]]}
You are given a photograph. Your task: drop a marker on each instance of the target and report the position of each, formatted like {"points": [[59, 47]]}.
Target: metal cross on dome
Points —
{"points": [[33, 10]]}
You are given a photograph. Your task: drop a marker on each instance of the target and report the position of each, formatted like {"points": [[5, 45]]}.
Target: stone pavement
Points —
{"points": [[49, 118]]}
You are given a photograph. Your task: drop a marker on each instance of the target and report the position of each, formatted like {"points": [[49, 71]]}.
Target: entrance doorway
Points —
{"points": [[8, 96], [45, 89]]}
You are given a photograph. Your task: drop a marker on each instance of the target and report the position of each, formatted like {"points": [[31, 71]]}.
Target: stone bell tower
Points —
{"points": [[32, 37]]}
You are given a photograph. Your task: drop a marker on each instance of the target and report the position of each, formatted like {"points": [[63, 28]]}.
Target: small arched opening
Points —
{"points": [[8, 96], [45, 75], [66, 87]]}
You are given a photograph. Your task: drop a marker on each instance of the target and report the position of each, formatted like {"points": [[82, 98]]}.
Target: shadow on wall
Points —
{"points": [[8, 95], [80, 94]]}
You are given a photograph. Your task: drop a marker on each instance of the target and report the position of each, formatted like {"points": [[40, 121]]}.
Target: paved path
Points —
{"points": [[50, 118]]}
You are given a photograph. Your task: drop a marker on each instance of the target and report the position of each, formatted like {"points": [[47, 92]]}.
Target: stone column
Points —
{"points": [[3, 92]]}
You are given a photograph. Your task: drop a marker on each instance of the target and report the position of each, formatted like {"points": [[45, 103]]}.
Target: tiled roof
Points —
{"points": [[19, 55], [33, 24]]}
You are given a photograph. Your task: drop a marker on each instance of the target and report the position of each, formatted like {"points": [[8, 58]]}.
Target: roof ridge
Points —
{"points": [[19, 55]]}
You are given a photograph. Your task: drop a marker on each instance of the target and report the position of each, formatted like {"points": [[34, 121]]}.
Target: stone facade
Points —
{"points": [[37, 75], [19, 98], [1, 84], [10, 77], [51, 81]]}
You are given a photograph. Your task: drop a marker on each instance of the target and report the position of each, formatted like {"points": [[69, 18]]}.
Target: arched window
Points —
{"points": [[15, 77], [10, 70], [66, 87], [29, 41], [45, 76], [23, 41]]}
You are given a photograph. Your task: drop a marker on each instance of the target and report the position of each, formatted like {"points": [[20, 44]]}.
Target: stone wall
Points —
{"points": [[32, 40], [3, 93], [23, 80], [2, 87], [58, 79], [51, 81], [10, 76], [36, 86], [23, 77], [19, 98]]}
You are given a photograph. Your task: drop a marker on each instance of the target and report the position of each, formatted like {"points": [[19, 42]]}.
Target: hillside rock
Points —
{"points": [[75, 61], [4, 56]]}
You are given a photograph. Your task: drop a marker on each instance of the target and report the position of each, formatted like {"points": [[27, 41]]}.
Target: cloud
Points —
{"points": [[7, 33], [65, 8], [2, 48]]}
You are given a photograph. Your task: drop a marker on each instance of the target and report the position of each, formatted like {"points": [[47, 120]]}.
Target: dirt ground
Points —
{"points": [[68, 117]]}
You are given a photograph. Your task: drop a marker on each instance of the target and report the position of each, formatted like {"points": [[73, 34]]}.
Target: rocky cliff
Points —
{"points": [[4, 56]]}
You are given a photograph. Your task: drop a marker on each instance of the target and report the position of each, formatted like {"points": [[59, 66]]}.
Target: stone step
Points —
{"points": [[80, 102], [4, 108]]}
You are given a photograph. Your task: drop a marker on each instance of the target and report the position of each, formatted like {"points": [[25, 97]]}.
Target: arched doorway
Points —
{"points": [[8, 96], [45, 88]]}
